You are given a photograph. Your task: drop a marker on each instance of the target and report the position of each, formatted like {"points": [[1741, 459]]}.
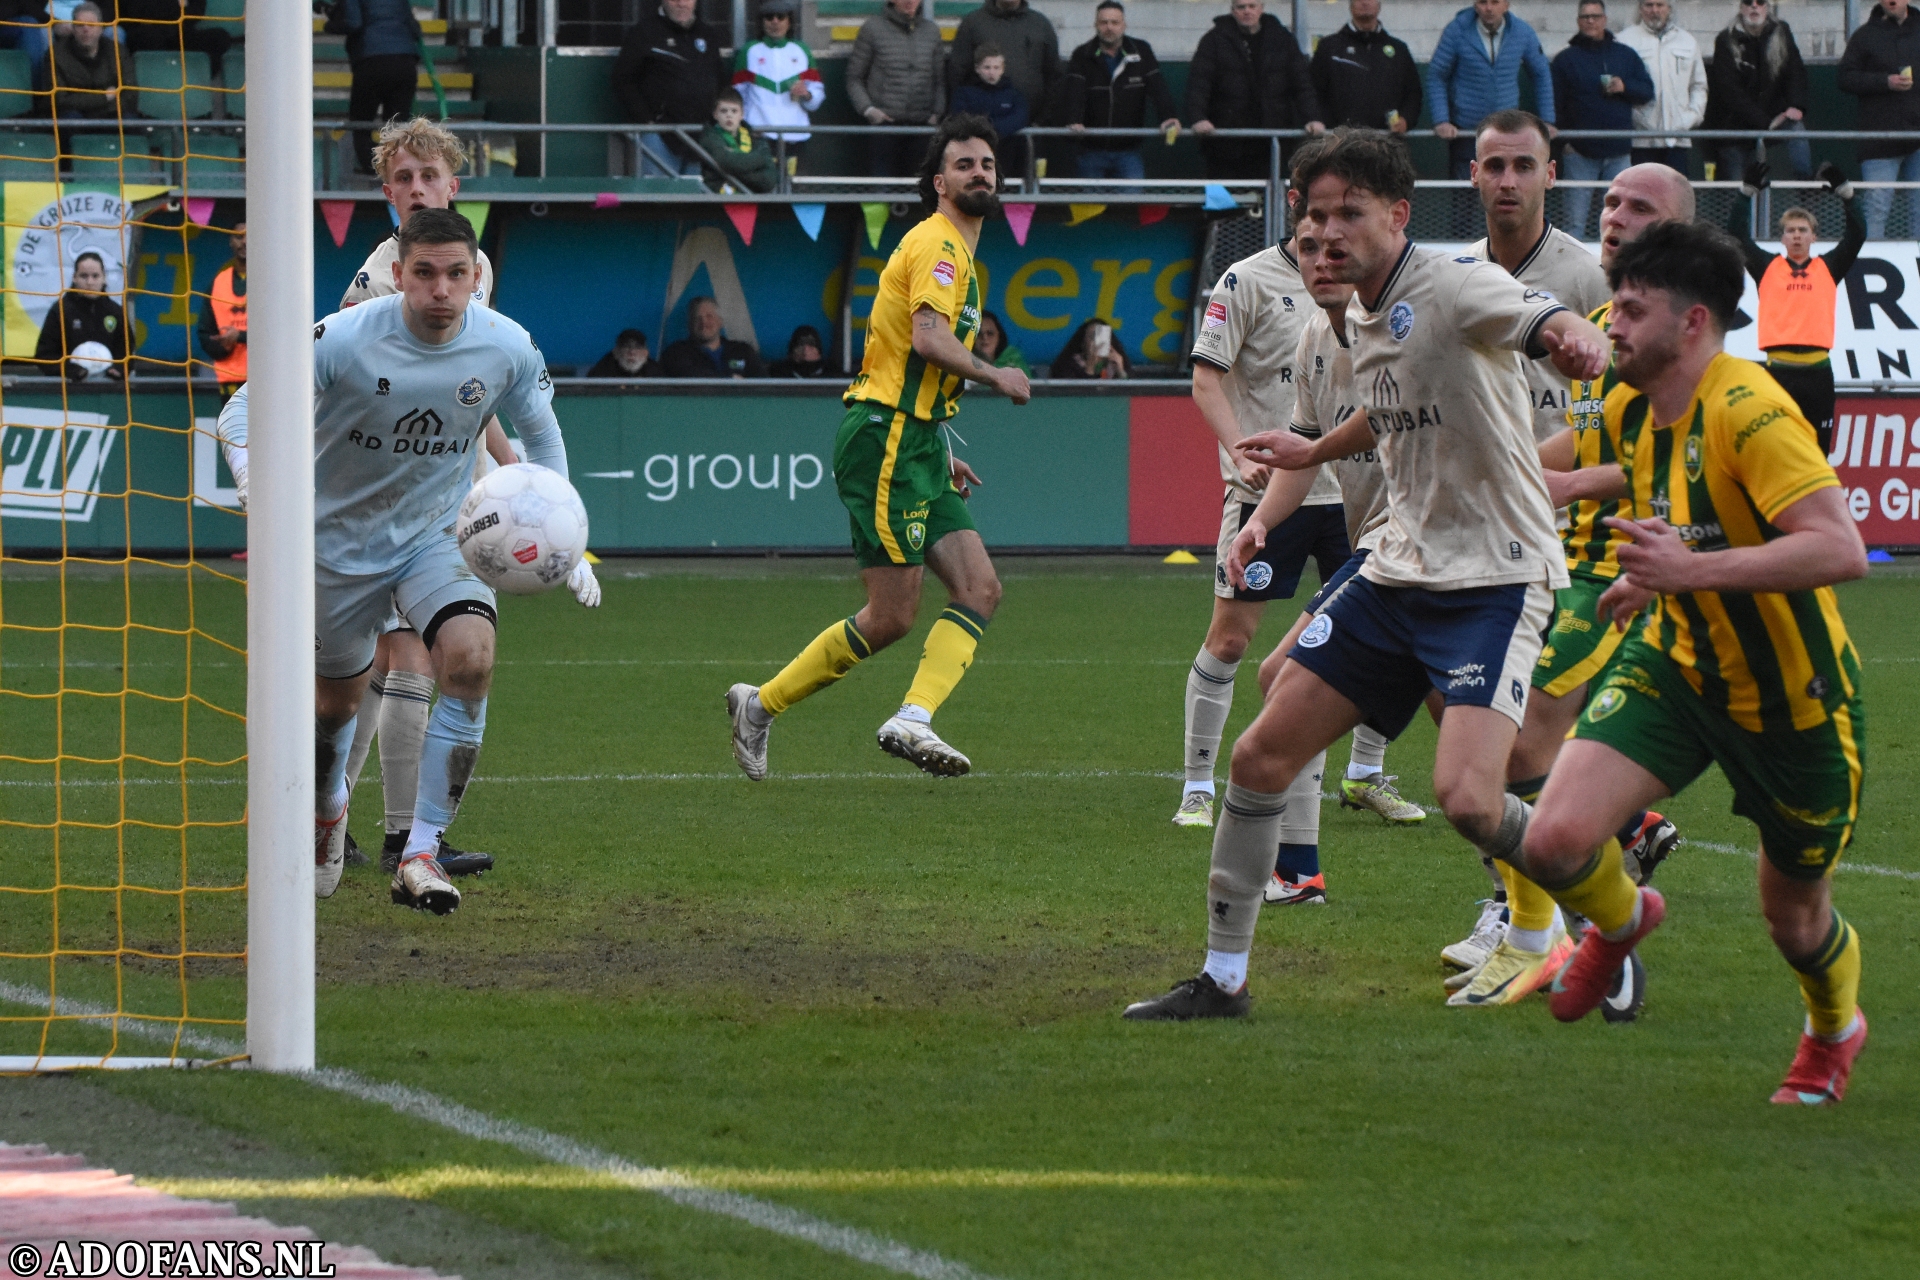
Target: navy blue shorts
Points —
{"points": [[1316, 532], [1333, 584], [1385, 648]]}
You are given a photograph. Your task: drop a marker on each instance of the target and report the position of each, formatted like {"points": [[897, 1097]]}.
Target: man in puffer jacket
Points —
{"points": [[897, 75], [1248, 73], [1476, 71], [1877, 68], [1679, 85]]}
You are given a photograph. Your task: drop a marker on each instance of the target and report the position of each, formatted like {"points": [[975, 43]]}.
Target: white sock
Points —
{"points": [[364, 726], [1842, 1038], [423, 837], [1369, 754], [1535, 940], [1228, 969], [1209, 699], [919, 715], [758, 716], [330, 810], [1204, 786], [403, 732]]}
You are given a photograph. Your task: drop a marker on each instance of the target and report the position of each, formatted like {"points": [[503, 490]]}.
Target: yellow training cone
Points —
{"points": [[1182, 556]]}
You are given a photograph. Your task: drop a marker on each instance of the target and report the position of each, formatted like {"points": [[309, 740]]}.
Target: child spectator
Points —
{"points": [[987, 93], [777, 80], [743, 157]]}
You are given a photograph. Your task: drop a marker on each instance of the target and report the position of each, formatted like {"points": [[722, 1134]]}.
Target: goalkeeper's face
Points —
{"points": [[436, 281]]}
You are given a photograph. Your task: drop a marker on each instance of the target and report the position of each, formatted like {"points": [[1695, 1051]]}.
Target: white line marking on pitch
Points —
{"points": [[863, 1246], [1862, 868]]}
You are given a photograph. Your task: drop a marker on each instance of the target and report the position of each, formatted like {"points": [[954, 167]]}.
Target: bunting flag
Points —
{"points": [[1019, 218], [1084, 213], [606, 200], [810, 217], [743, 216], [876, 216], [200, 210], [1218, 197], [1152, 213], [475, 212], [338, 214]]}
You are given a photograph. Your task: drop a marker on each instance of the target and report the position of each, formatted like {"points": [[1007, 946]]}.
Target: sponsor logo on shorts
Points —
{"points": [[916, 534], [1610, 700], [1635, 678], [1400, 321], [1571, 621], [471, 392], [1259, 576], [1471, 675], [1216, 315], [1519, 692], [1546, 658], [944, 272], [1318, 632]]}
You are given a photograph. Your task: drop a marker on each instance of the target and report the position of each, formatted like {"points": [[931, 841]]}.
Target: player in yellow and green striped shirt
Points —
{"points": [[904, 491], [1737, 536]]}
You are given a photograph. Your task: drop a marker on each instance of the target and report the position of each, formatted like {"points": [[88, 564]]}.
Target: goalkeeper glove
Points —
{"points": [[585, 587], [1756, 179], [1836, 181], [237, 463]]}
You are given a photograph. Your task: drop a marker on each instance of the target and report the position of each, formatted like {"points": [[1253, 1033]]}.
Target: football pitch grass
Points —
{"points": [[892, 1002]]}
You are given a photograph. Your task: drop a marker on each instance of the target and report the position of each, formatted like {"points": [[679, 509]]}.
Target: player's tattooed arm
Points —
{"points": [[934, 342]]}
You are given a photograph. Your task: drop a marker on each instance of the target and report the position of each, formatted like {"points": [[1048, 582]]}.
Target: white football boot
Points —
{"points": [[918, 743], [421, 884], [749, 739], [329, 854], [1472, 951], [1196, 810]]}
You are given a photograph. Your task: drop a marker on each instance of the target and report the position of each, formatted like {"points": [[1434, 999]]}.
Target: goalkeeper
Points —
{"points": [[403, 387]]}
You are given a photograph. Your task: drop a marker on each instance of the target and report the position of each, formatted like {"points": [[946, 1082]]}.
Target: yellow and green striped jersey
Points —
{"points": [[1739, 456], [930, 267], [1590, 543]]}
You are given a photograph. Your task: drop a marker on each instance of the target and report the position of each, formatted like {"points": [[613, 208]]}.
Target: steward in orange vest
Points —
{"points": [[1800, 294], [223, 322]]}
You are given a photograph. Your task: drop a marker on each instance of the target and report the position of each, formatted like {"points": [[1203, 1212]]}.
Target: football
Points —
{"points": [[522, 529]]}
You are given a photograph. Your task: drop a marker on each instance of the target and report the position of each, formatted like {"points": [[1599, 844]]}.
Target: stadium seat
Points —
{"points": [[213, 160], [227, 14], [235, 72], [99, 155], [16, 83], [173, 86], [27, 157]]}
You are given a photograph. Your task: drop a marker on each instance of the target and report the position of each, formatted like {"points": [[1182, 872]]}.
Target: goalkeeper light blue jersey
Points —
{"points": [[396, 425]]}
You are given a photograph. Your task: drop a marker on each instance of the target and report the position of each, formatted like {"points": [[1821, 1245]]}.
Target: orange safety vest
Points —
{"points": [[229, 312], [1797, 304]]}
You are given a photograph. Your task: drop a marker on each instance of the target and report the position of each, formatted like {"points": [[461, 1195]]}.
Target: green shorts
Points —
{"points": [[1801, 787], [893, 474], [1579, 642]]}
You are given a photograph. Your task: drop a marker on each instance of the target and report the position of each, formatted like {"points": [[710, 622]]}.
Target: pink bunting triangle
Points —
{"points": [[338, 214], [606, 200], [1152, 213], [743, 217], [200, 210], [1019, 218]]}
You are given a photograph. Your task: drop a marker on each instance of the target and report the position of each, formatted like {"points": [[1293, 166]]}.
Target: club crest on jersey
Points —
{"points": [[1216, 315], [1259, 576], [1610, 700], [1400, 321], [1693, 457], [944, 272], [471, 392], [916, 534], [1318, 632]]}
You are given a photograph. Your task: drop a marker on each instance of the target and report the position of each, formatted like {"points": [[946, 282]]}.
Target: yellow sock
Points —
{"points": [[1602, 891], [948, 654], [1830, 980], [1528, 905], [833, 653]]}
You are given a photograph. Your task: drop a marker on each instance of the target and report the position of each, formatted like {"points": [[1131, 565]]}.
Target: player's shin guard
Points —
{"points": [[403, 734], [1830, 980], [1529, 907], [1300, 829], [330, 769], [363, 730], [452, 749], [1602, 892], [1244, 839], [949, 652], [1209, 699], [833, 653]]}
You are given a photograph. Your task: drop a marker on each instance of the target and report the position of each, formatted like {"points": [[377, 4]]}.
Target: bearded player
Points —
{"points": [[904, 491]]}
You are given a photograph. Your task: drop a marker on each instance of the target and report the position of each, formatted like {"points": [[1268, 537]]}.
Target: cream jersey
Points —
{"points": [[1323, 399], [374, 279], [1562, 266], [1251, 332], [1439, 365]]}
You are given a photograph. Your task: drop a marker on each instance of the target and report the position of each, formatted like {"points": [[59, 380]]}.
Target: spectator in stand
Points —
{"points": [[1248, 73], [806, 356], [1679, 85], [383, 48], [28, 37], [896, 77], [778, 81], [86, 69], [986, 92], [1092, 352], [1365, 77], [744, 158], [1026, 39], [1877, 68], [628, 359], [1597, 82], [991, 345], [1758, 81], [84, 326], [669, 72], [171, 26], [1109, 82], [1476, 71], [223, 322], [705, 352]]}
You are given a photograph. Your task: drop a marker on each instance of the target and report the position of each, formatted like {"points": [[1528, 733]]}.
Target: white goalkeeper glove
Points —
{"points": [[237, 463], [585, 587]]}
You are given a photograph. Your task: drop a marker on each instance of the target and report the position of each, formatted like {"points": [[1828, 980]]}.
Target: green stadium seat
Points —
{"points": [[213, 160], [164, 79], [27, 157], [95, 156], [227, 14], [235, 71], [16, 83]]}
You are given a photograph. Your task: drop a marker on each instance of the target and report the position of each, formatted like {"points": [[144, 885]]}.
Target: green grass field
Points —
{"points": [[893, 1002]]}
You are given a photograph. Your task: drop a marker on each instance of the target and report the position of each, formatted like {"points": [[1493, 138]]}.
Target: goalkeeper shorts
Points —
{"points": [[351, 609]]}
